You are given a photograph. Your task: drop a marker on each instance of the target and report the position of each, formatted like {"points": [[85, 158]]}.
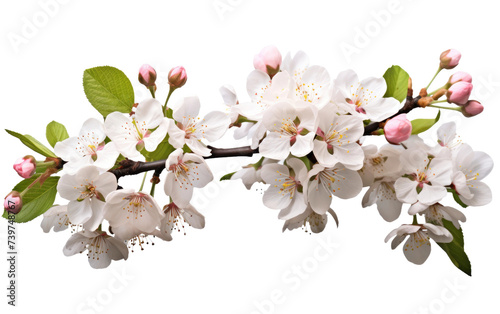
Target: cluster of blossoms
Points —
{"points": [[309, 129]]}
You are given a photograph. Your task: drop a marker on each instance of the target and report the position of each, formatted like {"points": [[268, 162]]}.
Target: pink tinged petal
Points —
{"points": [[440, 172], [152, 141], [79, 212], [417, 248], [97, 215], [296, 207], [460, 184], [303, 145], [438, 233], [406, 190], [481, 194], [189, 107], [179, 190], [177, 137], [319, 197], [76, 244], [193, 217], [117, 249], [431, 194], [275, 146], [213, 126]]}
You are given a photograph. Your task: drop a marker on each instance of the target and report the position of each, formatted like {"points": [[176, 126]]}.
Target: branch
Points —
{"points": [[130, 167]]}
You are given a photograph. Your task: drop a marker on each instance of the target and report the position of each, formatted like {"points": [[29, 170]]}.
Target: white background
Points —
{"points": [[241, 259]]}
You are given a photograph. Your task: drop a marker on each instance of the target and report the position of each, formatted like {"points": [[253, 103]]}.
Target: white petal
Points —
{"points": [[275, 146], [189, 107], [406, 190], [417, 248]]}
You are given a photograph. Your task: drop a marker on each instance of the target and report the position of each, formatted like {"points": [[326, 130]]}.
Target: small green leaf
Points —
{"points": [[37, 200], [421, 125], [455, 249], [227, 176], [32, 143], [56, 132], [397, 83], [108, 89]]}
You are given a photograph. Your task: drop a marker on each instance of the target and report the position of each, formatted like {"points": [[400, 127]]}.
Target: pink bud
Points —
{"points": [[25, 166], [449, 59], [459, 93], [13, 202], [268, 60], [397, 129], [472, 108], [147, 75], [460, 77], [177, 77]]}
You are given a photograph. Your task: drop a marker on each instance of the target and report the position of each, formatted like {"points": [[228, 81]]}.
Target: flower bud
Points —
{"points": [[26, 166], [13, 202], [268, 60], [472, 108], [460, 77], [449, 59], [147, 75], [459, 93], [177, 77], [397, 129]]}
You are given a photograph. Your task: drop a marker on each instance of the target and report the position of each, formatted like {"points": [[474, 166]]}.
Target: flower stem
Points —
{"points": [[437, 72], [415, 221], [167, 112], [143, 180], [442, 107], [152, 90], [152, 193], [45, 163]]}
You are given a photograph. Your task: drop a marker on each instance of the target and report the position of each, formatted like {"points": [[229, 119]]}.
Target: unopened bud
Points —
{"points": [[26, 166], [397, 129], [268, 60], [147, 75], [472, 108], [459, 93], [449, 59], [13, 202], [177, 77], [459, 77]]}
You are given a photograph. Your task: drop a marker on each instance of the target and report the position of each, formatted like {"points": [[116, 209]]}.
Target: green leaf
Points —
{"points": [[108, 89], [455, 249], [227, 176], [56, 132], [397, 83], [163, 150], [421, 125], [32, 143], [37, 200]]}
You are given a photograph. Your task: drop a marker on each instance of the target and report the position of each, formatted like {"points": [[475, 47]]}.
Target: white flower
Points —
{"points": [[56, 217], [316, 222], [435, 214], [426, 179], [191, 129], [231, 101], [366, 98], [418, 246], [283, 191], [87, 191], [379, 163], [447, 136], [339, 135], [313, 87], [144, 129], [185, 172], [87, 149], [287, 126], [470, 168], [175, 217], [325, 182], [101, 247], [382, 193], [251, 173], [131, 213]]}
